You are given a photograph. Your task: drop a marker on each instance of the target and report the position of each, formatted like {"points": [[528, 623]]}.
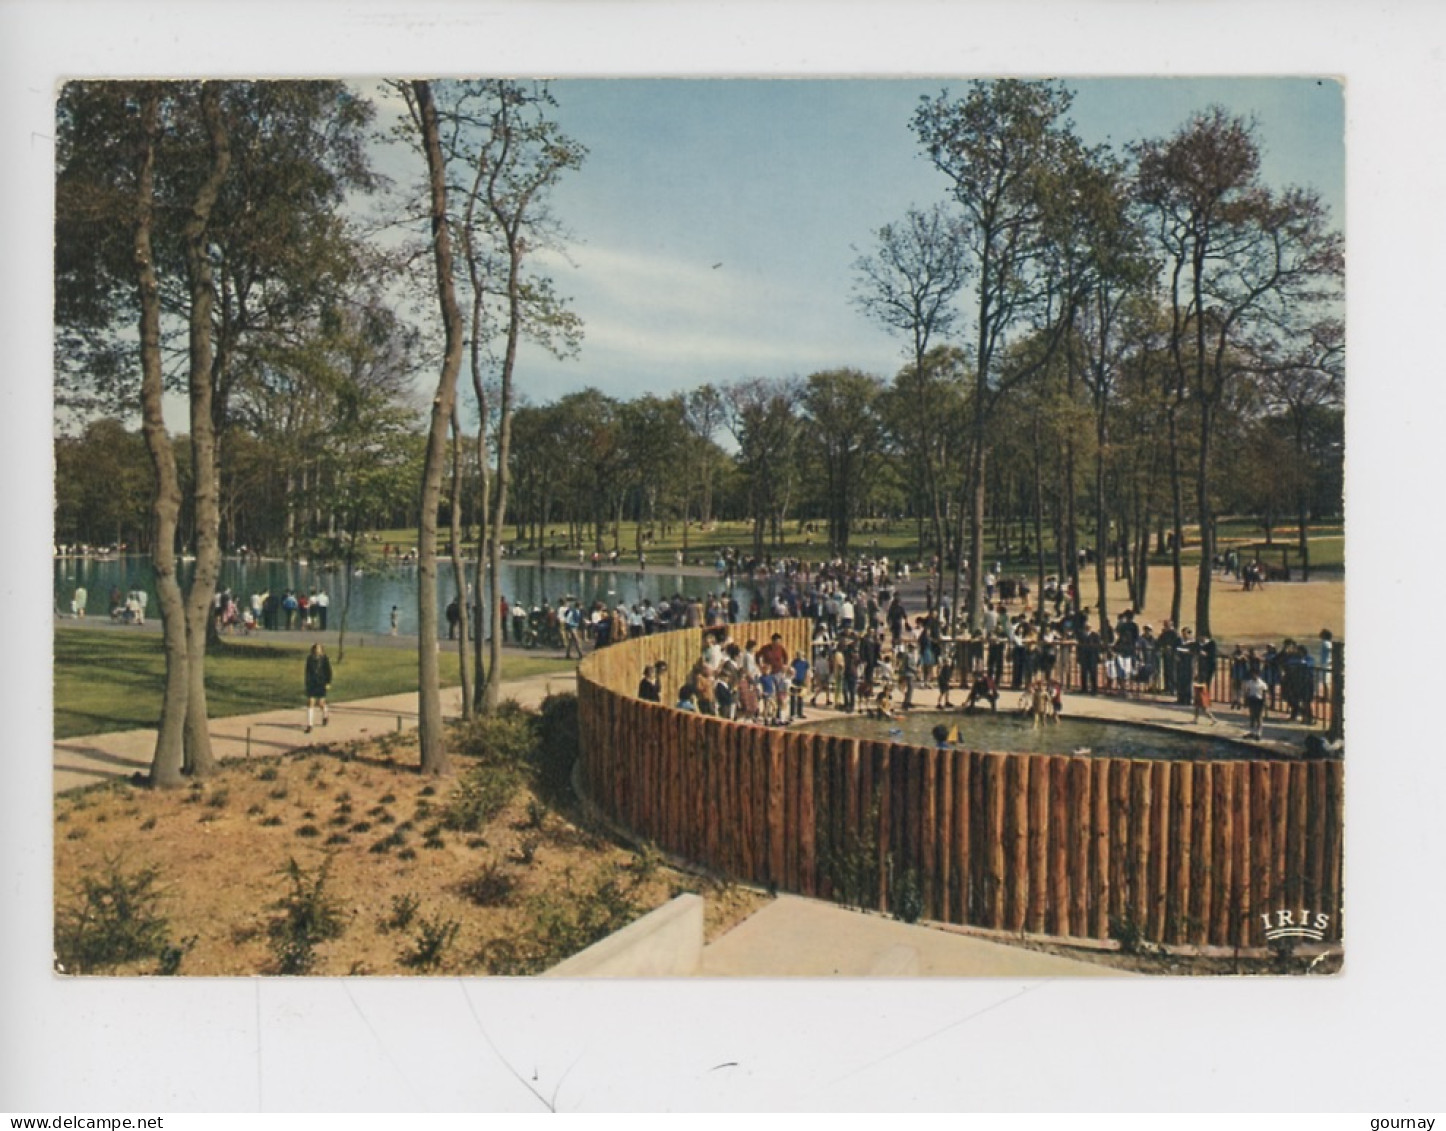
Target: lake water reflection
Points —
{"points": [[375, 591]]}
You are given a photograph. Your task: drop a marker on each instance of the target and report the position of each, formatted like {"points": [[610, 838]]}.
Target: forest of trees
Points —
{"points": [[1100, 349]]}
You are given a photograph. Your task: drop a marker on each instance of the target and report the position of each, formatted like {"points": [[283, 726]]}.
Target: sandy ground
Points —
{"points": [[221, 853]]}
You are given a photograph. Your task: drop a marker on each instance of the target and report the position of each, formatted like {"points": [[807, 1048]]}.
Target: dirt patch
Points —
{"points": [[1282, 609], [405, 895]]}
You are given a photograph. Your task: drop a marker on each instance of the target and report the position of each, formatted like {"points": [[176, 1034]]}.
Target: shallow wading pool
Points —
{"points": [[1007, 732]]}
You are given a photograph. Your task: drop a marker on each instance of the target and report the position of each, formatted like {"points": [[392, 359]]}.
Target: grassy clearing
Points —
{"points": [[899, 538], [112, 680]]}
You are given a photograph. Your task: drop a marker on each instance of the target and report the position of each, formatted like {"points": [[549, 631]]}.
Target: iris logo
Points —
{"points": [[1295, 925]]}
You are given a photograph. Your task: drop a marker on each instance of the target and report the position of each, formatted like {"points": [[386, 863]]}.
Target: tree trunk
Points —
{"points": [[493, 694], [459, 569], [1207, 527], [1038, 525], [485, 623], [199, 760], [429, 699], [166, 497], [1177, 516], [1101, 520]]}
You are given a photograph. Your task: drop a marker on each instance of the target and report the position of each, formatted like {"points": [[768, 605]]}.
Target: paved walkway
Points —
{"points": [[795, 937], [94, 758]]}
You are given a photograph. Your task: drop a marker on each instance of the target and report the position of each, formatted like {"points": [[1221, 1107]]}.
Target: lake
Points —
{"points": [[375, 591]]}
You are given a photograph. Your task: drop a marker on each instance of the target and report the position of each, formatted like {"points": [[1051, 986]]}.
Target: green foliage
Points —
{"points": [[508, 735], [404, 910], [306, 916], [557, 745], [493, 885], [501, 746], [172, 954], [434, 936], [906, 896], [482, 793], [852, 864], [1128, 932], [562, 921], [114, 918], [526, 851]]}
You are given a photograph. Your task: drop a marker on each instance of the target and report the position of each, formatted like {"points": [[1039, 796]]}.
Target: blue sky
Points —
{"points": [[783, 182]]}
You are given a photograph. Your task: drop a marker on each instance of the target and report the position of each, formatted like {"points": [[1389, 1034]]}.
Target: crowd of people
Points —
{"points": [[870, 653], [289, 610]]}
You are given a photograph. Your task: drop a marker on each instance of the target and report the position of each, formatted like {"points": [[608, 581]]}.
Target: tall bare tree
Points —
{"points": [[999, 145], [1245, 263], [910, 284], [434, 756]]}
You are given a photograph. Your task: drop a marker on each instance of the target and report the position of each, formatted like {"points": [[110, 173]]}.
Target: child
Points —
{"points": [[1254, 691], [768, 697], [884, 684], [782, 689], [946, 679], [723, 696], [982, 688], [1202, 702], [800, 682], [747, 698], [1041, 704], [908, 673]]}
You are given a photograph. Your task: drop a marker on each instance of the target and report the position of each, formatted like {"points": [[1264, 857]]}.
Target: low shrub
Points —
{"points": [[404, 910], [556, 746], [114, 918], [306, 916], [429, 947], [508, 735], [562, 921], [481, 794], [493, 885]]}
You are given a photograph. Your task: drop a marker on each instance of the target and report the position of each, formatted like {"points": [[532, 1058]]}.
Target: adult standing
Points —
{"points": [[321, 603], [77, 603], [1169, 648], [1185, 655], [318, 680], [1254, 691]]}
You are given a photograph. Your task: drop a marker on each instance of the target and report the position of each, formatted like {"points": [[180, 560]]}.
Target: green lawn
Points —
{"points": [[111, 680], [899, 538]]}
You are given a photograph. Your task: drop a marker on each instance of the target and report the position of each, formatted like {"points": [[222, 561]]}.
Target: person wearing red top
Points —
{"points": [[773, 655]]}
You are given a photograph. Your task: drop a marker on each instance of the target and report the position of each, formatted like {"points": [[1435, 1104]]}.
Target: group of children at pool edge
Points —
{"points": [[765, 685]]}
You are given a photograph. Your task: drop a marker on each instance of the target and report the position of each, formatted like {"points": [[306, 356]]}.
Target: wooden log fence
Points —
{"points": [[1206, 853]]}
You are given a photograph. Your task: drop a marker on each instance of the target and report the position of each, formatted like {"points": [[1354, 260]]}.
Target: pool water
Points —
{"points": [[1006, 732]]}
